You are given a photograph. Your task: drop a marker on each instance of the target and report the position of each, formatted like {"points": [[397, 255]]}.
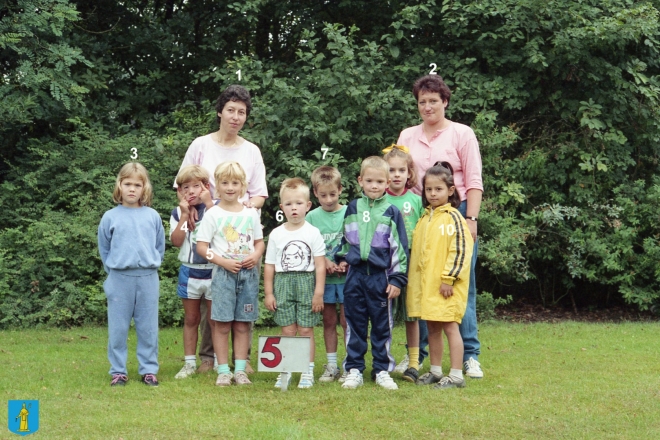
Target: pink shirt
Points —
{"points": [[206, 152], [455, 144]]}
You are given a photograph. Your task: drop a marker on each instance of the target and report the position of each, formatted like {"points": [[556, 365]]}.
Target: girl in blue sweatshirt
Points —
{"points": [[132, 245]]}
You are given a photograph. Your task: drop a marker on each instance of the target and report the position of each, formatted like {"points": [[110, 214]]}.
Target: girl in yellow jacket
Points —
{"points": [[439, 273]]}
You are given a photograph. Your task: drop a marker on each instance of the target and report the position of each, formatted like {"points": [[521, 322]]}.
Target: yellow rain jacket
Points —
{"points": [[441, 253]]}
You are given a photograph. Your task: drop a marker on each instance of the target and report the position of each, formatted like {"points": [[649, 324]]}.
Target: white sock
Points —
{"points": [[436, 370], [332, 359], [192, 360], [215, 362], [456, 374], [311, 368]]}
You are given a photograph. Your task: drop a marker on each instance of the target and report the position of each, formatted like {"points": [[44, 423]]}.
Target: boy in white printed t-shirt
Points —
{"points": [[329, 218], [195, 272], [294, 274], [230, 236]]}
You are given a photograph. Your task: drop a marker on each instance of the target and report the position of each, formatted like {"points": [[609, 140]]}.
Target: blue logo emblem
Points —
{"points": [[23, 416]]}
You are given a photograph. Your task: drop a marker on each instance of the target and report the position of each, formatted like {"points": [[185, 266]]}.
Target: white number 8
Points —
{"points": [[366, 217], [407, 208]]}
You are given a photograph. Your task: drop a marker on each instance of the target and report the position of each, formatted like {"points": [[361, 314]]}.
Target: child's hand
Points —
{"points": [[183, 203], [341, 267], [192, 219], [392, 291], [330, 267], [446, 290], [269, 302], [317, 302], [233, 266], [205, 196], [250, 261]]}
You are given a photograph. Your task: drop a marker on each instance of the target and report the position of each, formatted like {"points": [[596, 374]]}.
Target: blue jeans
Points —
{"points": [[468, 326]]}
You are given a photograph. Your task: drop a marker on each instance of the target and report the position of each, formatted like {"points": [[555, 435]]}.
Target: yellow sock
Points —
{"points": [[413, 357]]}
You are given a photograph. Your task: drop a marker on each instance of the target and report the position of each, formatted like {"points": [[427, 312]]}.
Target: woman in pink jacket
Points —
{"points": [[440, 139]]}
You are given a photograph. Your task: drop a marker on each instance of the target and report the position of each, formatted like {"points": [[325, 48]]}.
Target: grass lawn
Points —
{"points": [[567, 380]]}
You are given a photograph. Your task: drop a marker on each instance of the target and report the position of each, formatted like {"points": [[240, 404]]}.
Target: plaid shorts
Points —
{"points": [[401, 309], [293, 295]]}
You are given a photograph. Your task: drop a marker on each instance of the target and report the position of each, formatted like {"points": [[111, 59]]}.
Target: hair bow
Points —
{"points": [[398, 147]]}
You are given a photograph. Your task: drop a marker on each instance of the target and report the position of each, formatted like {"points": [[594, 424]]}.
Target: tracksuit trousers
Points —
{"points": [[365, 299], [132, 295]]}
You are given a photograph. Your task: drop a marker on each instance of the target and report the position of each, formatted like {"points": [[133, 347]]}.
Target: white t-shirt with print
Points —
{"points": [[294, 251], [230, 234]]}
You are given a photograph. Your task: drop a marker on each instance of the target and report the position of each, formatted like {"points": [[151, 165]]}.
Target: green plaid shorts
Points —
{"points": [[293, 295], [400, 307]]}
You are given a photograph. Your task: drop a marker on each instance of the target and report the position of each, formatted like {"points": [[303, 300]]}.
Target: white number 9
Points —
{"points": [[407, 207]]}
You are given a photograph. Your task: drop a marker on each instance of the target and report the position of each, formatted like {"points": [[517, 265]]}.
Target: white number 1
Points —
{"points": [[238, 72]]}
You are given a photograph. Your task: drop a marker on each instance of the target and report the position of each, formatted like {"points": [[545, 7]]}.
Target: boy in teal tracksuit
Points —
{"points": [[375, 249]]}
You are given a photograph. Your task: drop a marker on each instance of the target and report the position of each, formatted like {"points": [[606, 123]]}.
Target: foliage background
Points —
{"points": [[563, 97]]}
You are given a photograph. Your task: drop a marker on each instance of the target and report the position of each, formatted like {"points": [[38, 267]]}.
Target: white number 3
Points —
{"points": [[366, 217], [134, 151]]}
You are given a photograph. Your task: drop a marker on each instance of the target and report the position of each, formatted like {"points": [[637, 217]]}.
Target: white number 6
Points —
{"points": [[279, 216], [433, 72], [366, 217]]}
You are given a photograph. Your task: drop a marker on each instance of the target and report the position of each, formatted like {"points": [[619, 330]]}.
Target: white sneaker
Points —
{"points": [[403, 365], [353, 380], [278, 384], [473, 368], [343, 377], [187, 371], [306, 380], [330, 374], [384, 380]]}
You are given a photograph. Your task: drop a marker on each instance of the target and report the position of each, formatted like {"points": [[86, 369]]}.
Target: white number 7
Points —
{"points": [[325, 151]]}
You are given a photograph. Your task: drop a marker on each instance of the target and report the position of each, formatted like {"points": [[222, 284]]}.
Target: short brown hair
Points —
{"points": [[375, 162], [294, 184], [326, 175], [432, 84], [230, 170], [234, 93], [192, 172], [137, 170]]}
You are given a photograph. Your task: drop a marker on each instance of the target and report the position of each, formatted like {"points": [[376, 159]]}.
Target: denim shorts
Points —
{"points": [[235, 295], [194, 283], [333, 294]]}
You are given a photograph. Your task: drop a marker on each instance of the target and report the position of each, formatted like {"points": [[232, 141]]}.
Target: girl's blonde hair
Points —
{"points": [[401, 152], [230, 171], [138, 171]]}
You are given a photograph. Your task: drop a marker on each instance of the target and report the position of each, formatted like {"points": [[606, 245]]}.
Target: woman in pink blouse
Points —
{"points": [[439, 139]]}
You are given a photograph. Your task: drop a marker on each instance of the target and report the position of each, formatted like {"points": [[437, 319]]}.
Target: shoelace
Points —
{"points": [[117, 377], [150, 378]]}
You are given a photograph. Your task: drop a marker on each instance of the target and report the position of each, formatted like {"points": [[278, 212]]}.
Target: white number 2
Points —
{"points": [[433, 72], [366, 217], [407, 207]]}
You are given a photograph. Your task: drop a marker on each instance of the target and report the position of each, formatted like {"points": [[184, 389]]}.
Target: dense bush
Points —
{"points": [[563, 97]]}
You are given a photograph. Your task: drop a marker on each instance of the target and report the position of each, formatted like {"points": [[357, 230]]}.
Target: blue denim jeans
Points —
{"points": [[468, 326]]}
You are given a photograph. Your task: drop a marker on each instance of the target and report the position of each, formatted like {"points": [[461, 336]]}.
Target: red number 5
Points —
{"points": [[269, 347]]}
